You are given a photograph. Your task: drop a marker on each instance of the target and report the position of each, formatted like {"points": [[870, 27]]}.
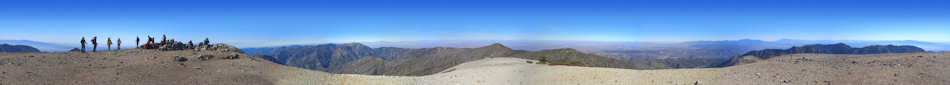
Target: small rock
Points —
{"points": [[696, 83], [205, 57], [786, 81], [758, 75], [180, 59], [232, 56]]}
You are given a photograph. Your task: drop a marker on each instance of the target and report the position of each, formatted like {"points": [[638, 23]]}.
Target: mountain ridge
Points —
{"points": [[17, 48], [839, 48], [356, 58]]}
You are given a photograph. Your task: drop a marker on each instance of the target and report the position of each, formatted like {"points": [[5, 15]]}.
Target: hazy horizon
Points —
{"points": [[286, 22]]}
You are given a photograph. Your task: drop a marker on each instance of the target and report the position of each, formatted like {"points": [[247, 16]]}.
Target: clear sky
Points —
{"points": [[279, 22]]}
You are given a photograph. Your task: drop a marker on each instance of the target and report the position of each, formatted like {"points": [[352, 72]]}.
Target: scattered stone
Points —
{"points": [[696, 83], [758, 75], [205, 57], [180, 59], [786, 81], [529, 62], [232, 56]]}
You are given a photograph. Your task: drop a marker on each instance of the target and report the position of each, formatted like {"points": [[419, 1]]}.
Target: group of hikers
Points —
{"points": [[149, 43]]}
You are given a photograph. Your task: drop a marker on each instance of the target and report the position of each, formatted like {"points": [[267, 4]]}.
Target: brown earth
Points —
{"points": [[131, 67]]}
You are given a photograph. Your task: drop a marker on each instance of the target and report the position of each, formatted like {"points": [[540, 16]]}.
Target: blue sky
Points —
{"points": [[280, 22]]}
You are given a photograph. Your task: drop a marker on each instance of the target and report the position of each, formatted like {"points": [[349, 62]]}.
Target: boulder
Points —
{"points": [[232, 56], [205, 57], [180, 59]]}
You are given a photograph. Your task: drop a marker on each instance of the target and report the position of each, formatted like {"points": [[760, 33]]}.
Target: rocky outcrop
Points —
{"points": [[17, 48], [75, 50], [172, 46], [225, 48], [839, 48]]}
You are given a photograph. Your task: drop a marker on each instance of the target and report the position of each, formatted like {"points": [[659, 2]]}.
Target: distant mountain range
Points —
{"points": [[42, 46], [839, 48], [17, 48], [356, 58]]}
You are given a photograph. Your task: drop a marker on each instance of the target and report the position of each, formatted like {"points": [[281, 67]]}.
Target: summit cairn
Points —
{"points": [[172, 45]]}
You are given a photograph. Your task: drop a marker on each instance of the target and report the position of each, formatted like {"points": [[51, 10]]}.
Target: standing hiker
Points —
{"points": [[151, 41], [109, 43], [147, 39], [94, 44], [163, 39], [136, 41], [208, 43], [83, 41], [118, 43]]}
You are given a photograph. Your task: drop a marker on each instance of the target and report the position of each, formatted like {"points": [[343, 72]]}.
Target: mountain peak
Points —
{"points": [[353, 44], [495, 46]]}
